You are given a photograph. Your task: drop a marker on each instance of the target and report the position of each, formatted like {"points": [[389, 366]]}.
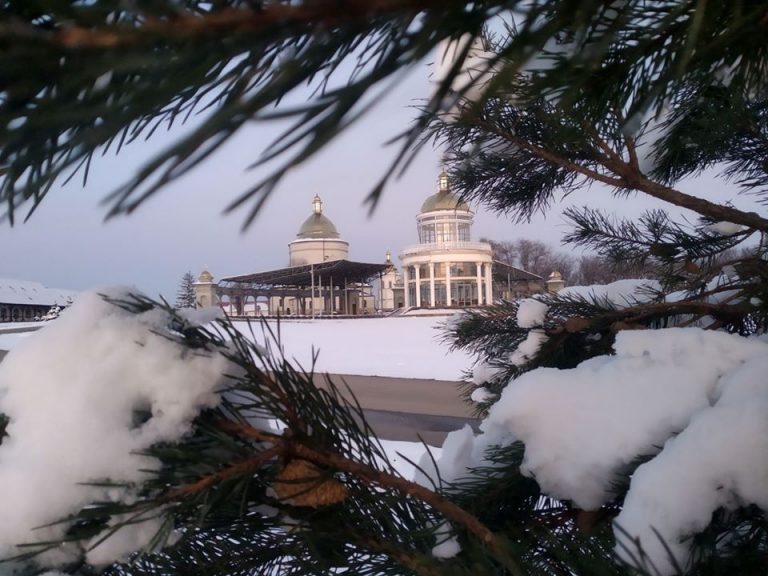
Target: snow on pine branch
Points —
{"points": [[695, 402], [71, 393]]}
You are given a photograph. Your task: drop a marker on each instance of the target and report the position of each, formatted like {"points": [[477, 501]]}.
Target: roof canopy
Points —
{"points": [[340, 270], [14, 291], [503, 270]]}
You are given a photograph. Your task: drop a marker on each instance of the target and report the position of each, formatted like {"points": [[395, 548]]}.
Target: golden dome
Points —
{"points": [[205, 277], [555, 276], [444, 199], [317, 225]]}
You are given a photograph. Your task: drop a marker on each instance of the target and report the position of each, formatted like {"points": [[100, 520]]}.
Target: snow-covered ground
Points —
{"points": [[14, 326], [399, 347], [8, 341]]}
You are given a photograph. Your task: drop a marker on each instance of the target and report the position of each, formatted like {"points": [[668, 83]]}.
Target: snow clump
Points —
{"points": [[621, 293], [481, 395], [531, 313], [694, 401], [528, 348], [70, 392], [724, 228]]}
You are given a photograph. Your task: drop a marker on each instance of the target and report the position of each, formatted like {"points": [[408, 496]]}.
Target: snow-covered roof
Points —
{"points": [[13, 291]]}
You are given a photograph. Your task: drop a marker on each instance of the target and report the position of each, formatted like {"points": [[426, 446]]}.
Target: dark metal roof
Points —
{"points": [[340, 270], [505, 271]]}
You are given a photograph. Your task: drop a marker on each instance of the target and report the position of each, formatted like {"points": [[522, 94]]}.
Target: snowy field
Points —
{"points": [[13, 326], [398, 347], [10, 336], [8, 341]]}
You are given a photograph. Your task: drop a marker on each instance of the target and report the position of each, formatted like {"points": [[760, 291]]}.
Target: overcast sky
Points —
{"points": [[67, 244]]}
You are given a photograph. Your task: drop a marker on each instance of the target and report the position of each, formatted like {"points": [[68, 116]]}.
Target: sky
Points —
{"points": [[68, 244]]}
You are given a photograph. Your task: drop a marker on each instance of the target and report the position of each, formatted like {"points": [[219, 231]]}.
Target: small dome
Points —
{"points": [[444, 201], [205, 277], [555, 276], [317, 225]]}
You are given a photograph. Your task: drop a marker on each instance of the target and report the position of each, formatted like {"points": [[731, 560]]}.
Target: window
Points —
{"points": [[440, 294], [425, 294], [465, 269], [427, 234]]}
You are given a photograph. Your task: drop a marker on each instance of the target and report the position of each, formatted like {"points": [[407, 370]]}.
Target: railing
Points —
{"points": [[449, 245]]}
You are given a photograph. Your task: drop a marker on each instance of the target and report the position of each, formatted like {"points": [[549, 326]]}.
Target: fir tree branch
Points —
{"points": [[293, 448]]}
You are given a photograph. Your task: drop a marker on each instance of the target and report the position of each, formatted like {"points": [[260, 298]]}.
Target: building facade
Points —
{"points": [[446, 268], [25, 301], [319, 281]]}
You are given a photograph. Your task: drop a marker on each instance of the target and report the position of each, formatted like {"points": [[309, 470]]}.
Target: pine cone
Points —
{"points": [[301, 483]]}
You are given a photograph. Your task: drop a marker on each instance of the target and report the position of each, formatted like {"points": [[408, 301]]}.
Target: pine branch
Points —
{"points": [[368, 474]]}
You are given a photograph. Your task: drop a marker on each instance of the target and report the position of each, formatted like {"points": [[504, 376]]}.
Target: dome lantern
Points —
{"points": [[442, 182], [317, 205]]}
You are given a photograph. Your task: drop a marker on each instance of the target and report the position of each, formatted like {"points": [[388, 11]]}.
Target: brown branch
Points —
{"points": [[547, 155], [369, 475], [243, 467], [289, 18], [643, 312], [630, 176], [636, 180], [631, 145], [405, 559]]}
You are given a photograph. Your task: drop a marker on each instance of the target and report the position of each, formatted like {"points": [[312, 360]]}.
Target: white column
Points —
{"points": [[418, 287], [479, 278], [489, 283], [407, 284], [448, 283], [432, 284]]}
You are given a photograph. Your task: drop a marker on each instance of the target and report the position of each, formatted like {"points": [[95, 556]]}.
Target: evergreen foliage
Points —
{"points": [[185, 295], [633, 95]]}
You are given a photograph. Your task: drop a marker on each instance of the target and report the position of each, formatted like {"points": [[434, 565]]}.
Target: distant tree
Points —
{"points": [[593, 269], [533, 256], [540, 259], [185, 296]]}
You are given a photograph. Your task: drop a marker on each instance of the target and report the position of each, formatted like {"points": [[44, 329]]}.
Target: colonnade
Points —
{"points": [[450, 286]]}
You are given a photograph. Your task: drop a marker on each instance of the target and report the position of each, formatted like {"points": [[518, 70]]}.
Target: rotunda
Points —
{"points": [[446, 268], [317, 240]]}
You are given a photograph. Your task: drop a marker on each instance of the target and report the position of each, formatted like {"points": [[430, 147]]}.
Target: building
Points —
{"points": [[25, 301], [317, 240], [319, 281], [447, 269], [391, 291]]}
